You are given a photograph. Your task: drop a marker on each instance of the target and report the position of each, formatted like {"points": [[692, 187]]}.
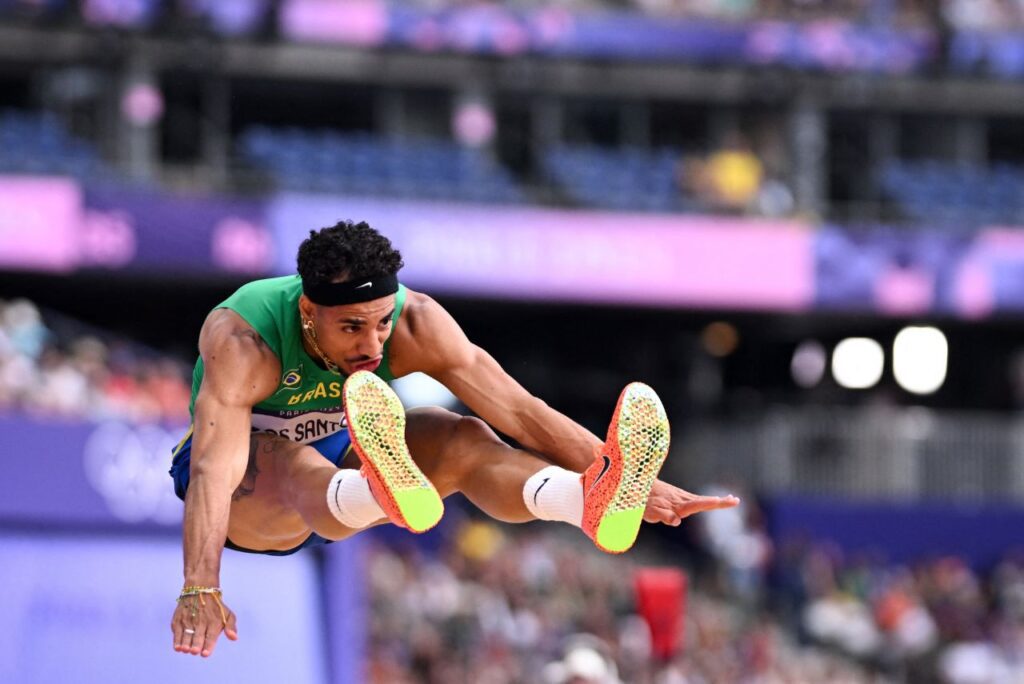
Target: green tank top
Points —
{"points": [[307, 403]]}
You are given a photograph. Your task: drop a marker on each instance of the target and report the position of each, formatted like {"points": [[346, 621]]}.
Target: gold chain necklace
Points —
{"points": [[307, 330]]}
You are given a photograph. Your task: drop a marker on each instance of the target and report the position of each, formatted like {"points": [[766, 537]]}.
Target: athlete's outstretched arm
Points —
{"points": [[432, 342], [435, 344], [239, 372]]}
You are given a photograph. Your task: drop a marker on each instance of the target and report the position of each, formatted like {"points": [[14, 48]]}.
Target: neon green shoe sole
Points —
{"points": [[376, 421], [618, 483]]}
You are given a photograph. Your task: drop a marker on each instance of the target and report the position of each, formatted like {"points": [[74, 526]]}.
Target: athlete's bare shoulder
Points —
{"points": [[238, 366], [427, 338]]}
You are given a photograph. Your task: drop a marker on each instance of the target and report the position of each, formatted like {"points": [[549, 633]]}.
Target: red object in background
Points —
{"points": [[661, 601]]}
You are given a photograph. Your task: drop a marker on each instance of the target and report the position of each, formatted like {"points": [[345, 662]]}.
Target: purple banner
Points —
{"points": [[981, 535], [908, 272], [89, 609], [574, 255], [123, 14], [498, 30], [39, 223], [147, 230], [530, 253], [106, 474]]}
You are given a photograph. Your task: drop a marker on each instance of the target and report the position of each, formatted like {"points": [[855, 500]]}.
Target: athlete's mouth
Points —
{"points": [[367, 365]]}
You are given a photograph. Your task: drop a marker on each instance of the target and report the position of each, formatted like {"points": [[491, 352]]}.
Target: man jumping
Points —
{"points": [[297, 440]]}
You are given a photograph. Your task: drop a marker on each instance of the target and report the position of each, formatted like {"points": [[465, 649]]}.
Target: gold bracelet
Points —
{"points": [[194, 591]]}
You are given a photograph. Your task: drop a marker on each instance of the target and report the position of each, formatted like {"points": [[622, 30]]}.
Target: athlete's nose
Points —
{"points": [[371, 347]]}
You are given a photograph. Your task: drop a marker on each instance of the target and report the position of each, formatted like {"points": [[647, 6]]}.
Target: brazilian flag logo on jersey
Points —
{"points": [[292, 378]]}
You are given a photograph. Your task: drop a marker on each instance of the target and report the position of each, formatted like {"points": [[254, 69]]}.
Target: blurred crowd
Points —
{"points": [[991, 15], [258, 15], [80, 375], [528, 604], [936, 621], [515, 605]]}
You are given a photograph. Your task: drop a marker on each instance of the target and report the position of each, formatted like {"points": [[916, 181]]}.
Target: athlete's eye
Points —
{"points": [[351, 328]]}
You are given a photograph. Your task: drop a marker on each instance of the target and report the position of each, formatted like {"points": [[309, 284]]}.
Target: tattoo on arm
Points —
{"points": [[248, 484]]}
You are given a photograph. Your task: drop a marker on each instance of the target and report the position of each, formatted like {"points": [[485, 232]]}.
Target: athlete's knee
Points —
{"points": [[467, 451], [454, 440], [471, 431]]}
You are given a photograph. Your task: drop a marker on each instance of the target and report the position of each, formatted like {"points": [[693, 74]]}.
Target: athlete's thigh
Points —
{"points": [[261, 516], [445, 445]]}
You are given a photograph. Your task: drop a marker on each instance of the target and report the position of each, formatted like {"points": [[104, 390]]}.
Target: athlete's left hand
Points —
{"points": [[197, 624], [669, 505]]}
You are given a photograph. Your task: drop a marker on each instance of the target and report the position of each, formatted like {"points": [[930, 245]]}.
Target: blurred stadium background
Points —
{"points": [[802, 221]]}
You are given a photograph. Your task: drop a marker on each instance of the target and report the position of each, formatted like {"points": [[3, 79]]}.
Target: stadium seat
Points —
{"points": [[328, 161], [37, 143]]}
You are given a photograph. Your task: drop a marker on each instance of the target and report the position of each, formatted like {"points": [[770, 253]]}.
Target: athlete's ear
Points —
{"points": [[306, 307]]}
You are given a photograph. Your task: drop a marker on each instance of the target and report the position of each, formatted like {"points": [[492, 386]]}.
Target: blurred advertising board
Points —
{"points": [[38, 223], [88, 608], [981, 534], [346, 605], [149, 229], [903, 272], [54, 224], [583, 256], [495, 29], [84, 482], [110, 474], [533, 253]]}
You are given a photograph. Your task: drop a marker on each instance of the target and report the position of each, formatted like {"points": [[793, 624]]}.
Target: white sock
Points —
{"points": [[555, 493], [350, 500]]}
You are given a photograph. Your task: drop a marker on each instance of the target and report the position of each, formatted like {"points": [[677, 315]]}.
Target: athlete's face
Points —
{"points": [[351, 335]]}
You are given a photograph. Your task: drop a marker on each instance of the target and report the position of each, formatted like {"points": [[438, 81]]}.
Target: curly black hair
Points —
{"points": [[346, 250]]}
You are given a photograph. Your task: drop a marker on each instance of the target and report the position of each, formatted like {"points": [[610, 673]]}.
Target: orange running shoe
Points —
{"points": [[618, 482], [376, 421]]}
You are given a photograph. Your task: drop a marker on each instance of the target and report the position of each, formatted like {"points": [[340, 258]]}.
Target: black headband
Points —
{"points": [[352, 291]]}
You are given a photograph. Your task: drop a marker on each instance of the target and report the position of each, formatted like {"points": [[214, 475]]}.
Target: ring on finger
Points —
{"points": [[190, 631]]}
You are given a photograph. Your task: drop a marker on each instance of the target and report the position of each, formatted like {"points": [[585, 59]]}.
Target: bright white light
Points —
{"points": [[919, 359], [418, 389], [808, 364], [857, 363]]}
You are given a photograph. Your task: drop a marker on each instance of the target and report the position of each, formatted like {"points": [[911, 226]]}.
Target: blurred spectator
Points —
{"points": [[737, 540], [729, 179], [81, 376]]}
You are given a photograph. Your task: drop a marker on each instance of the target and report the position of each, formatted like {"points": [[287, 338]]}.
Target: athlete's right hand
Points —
{"points": [[198, 634]]}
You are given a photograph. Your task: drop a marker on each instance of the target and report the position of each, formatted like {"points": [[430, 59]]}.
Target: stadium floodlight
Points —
{"points": [[920, 357], [857, 362], [418, 389], [808, 364]]}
